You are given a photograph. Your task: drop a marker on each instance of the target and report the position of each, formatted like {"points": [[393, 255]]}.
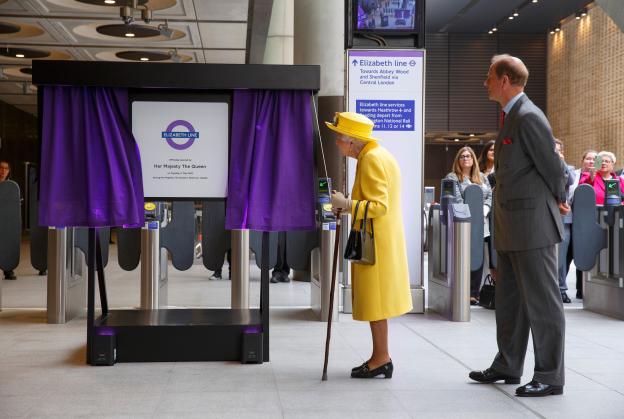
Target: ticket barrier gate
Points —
{"points": [[154, 258], [67, 269], [153, 245], [451, 235], [10, 227], [322, 257], [600, 252]]}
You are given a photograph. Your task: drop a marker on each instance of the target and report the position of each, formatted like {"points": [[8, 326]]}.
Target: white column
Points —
{"points": [[279, 46]]}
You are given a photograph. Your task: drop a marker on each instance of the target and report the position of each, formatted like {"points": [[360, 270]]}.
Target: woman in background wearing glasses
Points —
{"points": [[466, 172]]}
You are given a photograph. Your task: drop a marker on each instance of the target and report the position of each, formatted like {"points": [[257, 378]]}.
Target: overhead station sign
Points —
{"points": [[388, 87]]}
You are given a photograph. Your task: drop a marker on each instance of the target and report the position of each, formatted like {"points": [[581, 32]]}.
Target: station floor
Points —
{"points": [[43, 371]]}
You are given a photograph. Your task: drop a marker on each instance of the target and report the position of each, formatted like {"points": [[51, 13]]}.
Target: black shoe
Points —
{"points": [[537, 389], [9, 275], [490, 376], [364, 372], [43, 273], [474, 301], [216, 275], [579, 295], [565, 298], [274, 280], [284, 278]]}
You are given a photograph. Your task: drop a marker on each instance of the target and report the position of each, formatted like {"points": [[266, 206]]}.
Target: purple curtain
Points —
{"points": [[90, 163], [271, 181]]}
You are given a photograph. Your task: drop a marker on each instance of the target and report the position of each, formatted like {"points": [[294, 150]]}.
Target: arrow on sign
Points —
{"points": [[354, 62]]}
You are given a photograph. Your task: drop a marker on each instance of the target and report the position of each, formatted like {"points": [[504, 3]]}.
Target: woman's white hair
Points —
{"points": [[607, 154]]}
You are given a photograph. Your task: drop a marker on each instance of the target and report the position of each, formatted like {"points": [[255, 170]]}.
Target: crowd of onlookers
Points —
{"points": [[595, 168]]}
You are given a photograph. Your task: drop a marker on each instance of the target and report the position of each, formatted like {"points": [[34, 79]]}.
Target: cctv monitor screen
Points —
{"points": [[184, 148], [385, 15]]}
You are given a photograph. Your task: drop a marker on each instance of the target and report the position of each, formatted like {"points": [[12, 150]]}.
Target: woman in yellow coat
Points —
{"points": [[382, 290]]}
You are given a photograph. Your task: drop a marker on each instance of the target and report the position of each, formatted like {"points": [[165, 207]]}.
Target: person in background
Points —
{"points": [[587, 164], [281, 270], [381, 290], [486, 165], [465, 173], [597, 176], [566, 219], [5, 172], [486, 161], [218, 274]]}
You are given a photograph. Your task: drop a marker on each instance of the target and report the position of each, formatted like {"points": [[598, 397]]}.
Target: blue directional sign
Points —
{"points": [[388, 115]]}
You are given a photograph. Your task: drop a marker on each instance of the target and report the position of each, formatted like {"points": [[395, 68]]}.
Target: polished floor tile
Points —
{"points": [[43, 372]]}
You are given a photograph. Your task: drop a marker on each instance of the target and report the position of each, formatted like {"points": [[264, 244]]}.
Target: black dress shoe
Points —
{"points": [[565, 298], [490, 376], [9, 275], [358, 367], [364, 372], [537, 389]]}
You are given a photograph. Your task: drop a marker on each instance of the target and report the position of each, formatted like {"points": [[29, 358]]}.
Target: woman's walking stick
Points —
{"points": [[331, 301]]}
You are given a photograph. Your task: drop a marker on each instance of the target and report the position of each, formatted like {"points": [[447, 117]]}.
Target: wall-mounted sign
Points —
{"points": [[184, 148], [388, 87]]}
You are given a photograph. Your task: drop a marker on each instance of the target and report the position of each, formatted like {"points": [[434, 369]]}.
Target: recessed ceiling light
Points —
{"points": [[510, 18], [472, 135], [130, 35], [144, 59], [109, 1], [515, 13], [552, 31], [557, 29], [494, 29], [584, 12], [456, 139], [534, 1], [490, 32], [19, 55]]}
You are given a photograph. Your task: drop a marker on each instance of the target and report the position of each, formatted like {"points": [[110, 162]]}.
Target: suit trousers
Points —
{"points": [[528, 300]]}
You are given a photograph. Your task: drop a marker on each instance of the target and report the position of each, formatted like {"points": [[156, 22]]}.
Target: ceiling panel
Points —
{"points": [[225, 57], [439, 12], [11, 88], [19, 99], [215, 31], [222, 10], [478, 16], [223, 35]]}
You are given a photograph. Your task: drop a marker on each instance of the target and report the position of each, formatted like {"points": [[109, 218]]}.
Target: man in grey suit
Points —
{"points": [[529, 198]]}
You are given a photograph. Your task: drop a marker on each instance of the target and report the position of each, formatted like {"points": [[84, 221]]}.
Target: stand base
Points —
{"points": [[172, 335]]}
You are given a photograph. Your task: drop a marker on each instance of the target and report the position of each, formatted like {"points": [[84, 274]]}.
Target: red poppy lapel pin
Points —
{"points": [[507, 140]]}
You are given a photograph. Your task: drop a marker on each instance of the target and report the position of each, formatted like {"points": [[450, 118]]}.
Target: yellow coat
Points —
{"points": [[382, 290]]}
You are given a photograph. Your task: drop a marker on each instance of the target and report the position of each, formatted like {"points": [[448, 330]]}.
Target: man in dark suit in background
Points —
{"points": [[530, 196]]}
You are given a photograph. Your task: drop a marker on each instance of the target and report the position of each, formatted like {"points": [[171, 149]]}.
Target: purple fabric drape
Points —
{"points": [[271, 181], [90, 163]]}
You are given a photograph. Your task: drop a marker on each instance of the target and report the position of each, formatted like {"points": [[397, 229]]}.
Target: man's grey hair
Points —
{"points": [[512, 67]]}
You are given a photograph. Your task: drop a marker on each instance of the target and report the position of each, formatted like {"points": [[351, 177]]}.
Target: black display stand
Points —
{"points": [[174, 334]]}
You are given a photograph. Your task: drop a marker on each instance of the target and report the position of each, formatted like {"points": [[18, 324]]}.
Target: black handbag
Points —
{"points": [[487, 293], [360, 246]]}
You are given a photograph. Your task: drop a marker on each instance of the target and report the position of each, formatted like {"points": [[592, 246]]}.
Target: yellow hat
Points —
{"points": [[354, 125]]}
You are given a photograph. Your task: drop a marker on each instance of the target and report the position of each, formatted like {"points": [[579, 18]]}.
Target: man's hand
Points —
{"points": [[564, 208], [339, 201]]}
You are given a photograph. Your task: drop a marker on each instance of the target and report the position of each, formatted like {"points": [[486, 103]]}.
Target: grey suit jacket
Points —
{"points": [[530, 181]]}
